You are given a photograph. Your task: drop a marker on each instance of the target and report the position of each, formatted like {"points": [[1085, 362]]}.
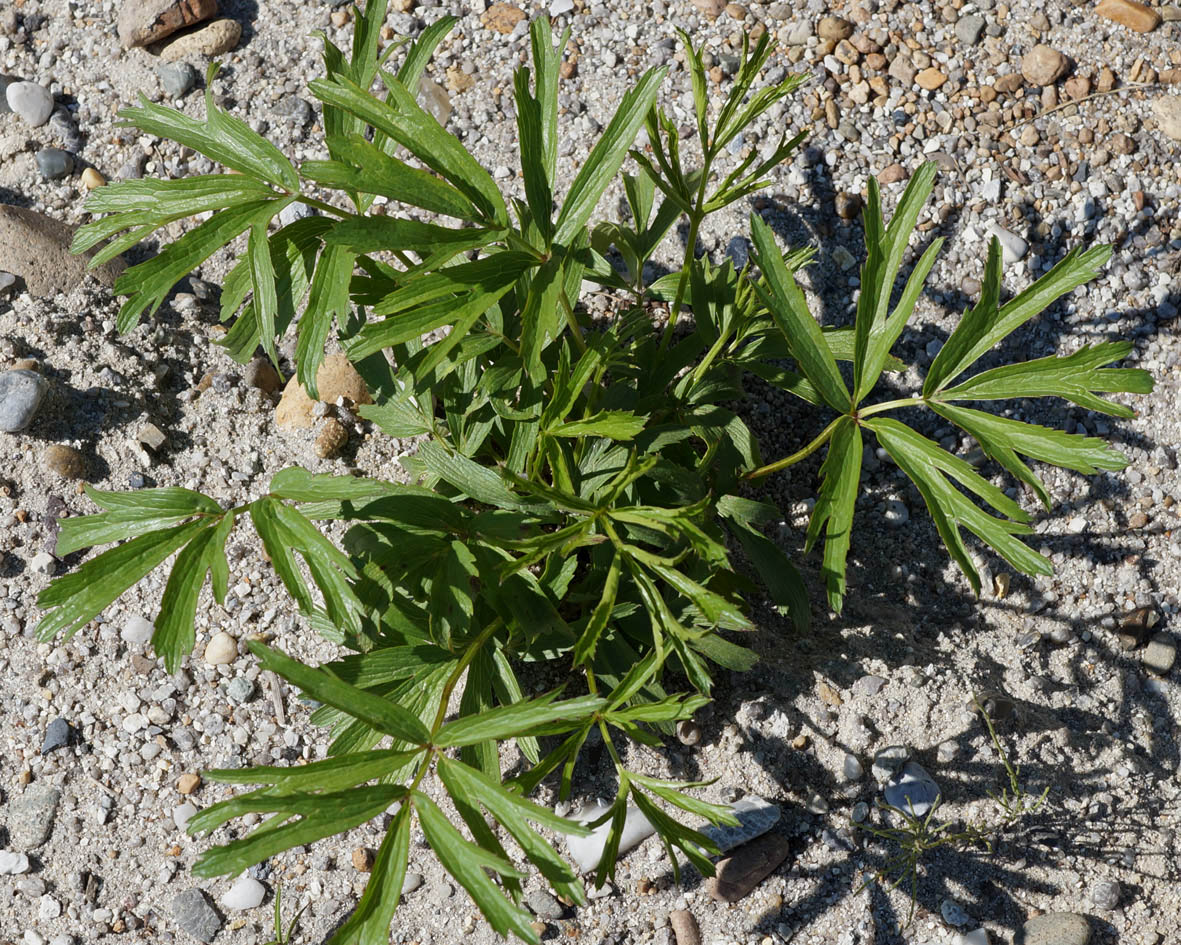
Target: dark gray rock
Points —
{"points": [[968, 29], [21, 393], [240, 689], [57, 735], [54, 163], [31, 816], [193, 913]]}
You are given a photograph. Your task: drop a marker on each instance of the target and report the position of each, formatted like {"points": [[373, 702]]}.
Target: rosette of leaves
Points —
{"points": [[579, 499]]}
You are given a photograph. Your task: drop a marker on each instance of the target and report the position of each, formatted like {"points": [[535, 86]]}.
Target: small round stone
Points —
{"points": [[689, 732], [221, 649], [64, 461], [31, 101], [852, 768], [240, 689], [188, 782], [363, 859], [1105, 894], [332, 438], [54, 163], [21, 393], [246, 893], [137, 630], [176, 79], [92, 179]]}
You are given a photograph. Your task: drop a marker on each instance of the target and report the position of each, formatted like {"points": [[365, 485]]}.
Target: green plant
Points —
{"points": [[916, 836], [582, 484], [282, 937]]}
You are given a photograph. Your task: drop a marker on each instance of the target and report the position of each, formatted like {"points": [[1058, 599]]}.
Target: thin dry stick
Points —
{"points": [[1086, 98]]}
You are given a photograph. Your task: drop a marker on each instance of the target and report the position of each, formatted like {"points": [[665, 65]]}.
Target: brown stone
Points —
{"points": [[335, 378], [261, 373], [1129, 13], [1044, 65], [1106, 80], [711, 9], [64, 461], [37, 248], [892, 174], [848, 205], [746, 867], [205, 42], [847, 53], [332, 438], [1169, 77], [363, 859], [149, 21], [458, 80], [828, 695], [1008, 83], [930, 79], [1076, 87], [684, 927], [876, 61], [736, 11], [187, 783], [503, 17], [902, 69], [835, 28]]}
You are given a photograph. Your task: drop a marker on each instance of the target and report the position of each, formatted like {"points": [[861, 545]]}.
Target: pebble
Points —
{"points": [[188, 782], [148, 21], [740, 873], [64, 461], [896, 513], [43, 563], [544, 904], [246, 893], [953, 913], [21, 393], [92, 179], [332, 439], [1055, 928], [30, 101], [177, 79], [183, 813], [1043, 65], [587, 851], [13, 864], [975, 937], [434, 98], [137, 630], [888, 761], [684, 927], [911, 790], [261, 373], [335, 378], [1129, 13], [868, 686], [221, 650], [852, 768], [412, 882], [1013, 247], [892, 174], [930, 79], [193, 913], [969, 29], [54, 163], [1160, 654], [860, 812], [31, 816], [835, 28], [363, 859], [1166, 109], [1105, 894], [217, 37], [240, 689], [57, 735]]}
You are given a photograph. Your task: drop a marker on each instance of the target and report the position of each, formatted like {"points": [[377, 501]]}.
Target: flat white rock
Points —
{"points": [[13, 864], [182, 814], [1013, 247], [588, 851], [31, 101], [137, 630], [246, 893]]}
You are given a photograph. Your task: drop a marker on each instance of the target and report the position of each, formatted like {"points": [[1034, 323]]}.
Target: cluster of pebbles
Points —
{"points": [[1054, 125]]}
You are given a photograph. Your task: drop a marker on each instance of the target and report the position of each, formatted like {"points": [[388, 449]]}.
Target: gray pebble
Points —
{"points": [[411, 882], [1105, 894], [31, 816], [968, 29], [860, 812], [953, 913], [57, 735], [755, 817], [1055, 928], [1160, 654], [193, 913], [852, 768], [544, 905], [137, 630], [5, 82], [21, 393], [31, 101], [176, 79], [868, 685], [896, 514], [240, 689], [294, 109], [946, 752], [889, 760], [1013, 247], [54, 163]]}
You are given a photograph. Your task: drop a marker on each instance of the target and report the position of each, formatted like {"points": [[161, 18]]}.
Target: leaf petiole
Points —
{"points": [[795, 457]]}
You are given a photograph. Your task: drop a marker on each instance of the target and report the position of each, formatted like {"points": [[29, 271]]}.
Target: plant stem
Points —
{"points": [[572, 321], [469, 654], [325, 207], [798, 455], [892, 405]]}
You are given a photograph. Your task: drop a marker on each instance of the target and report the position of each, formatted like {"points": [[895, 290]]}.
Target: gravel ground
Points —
{"points": [[97, 814]]}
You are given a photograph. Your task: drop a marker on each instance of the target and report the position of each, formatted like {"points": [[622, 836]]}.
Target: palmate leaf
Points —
{"points": [[506, 721], [833, 512], [1002, 439], [127, 514], [931, 468], [328, 298]]}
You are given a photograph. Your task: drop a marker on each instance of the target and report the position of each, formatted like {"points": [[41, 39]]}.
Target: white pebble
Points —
{"points": [[1078, 524], [222, 649], [1013, 247], [13, 864], [31, 101], [48, 909], [183, 814], [975, 937], [246, 893], [137, 630]]}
